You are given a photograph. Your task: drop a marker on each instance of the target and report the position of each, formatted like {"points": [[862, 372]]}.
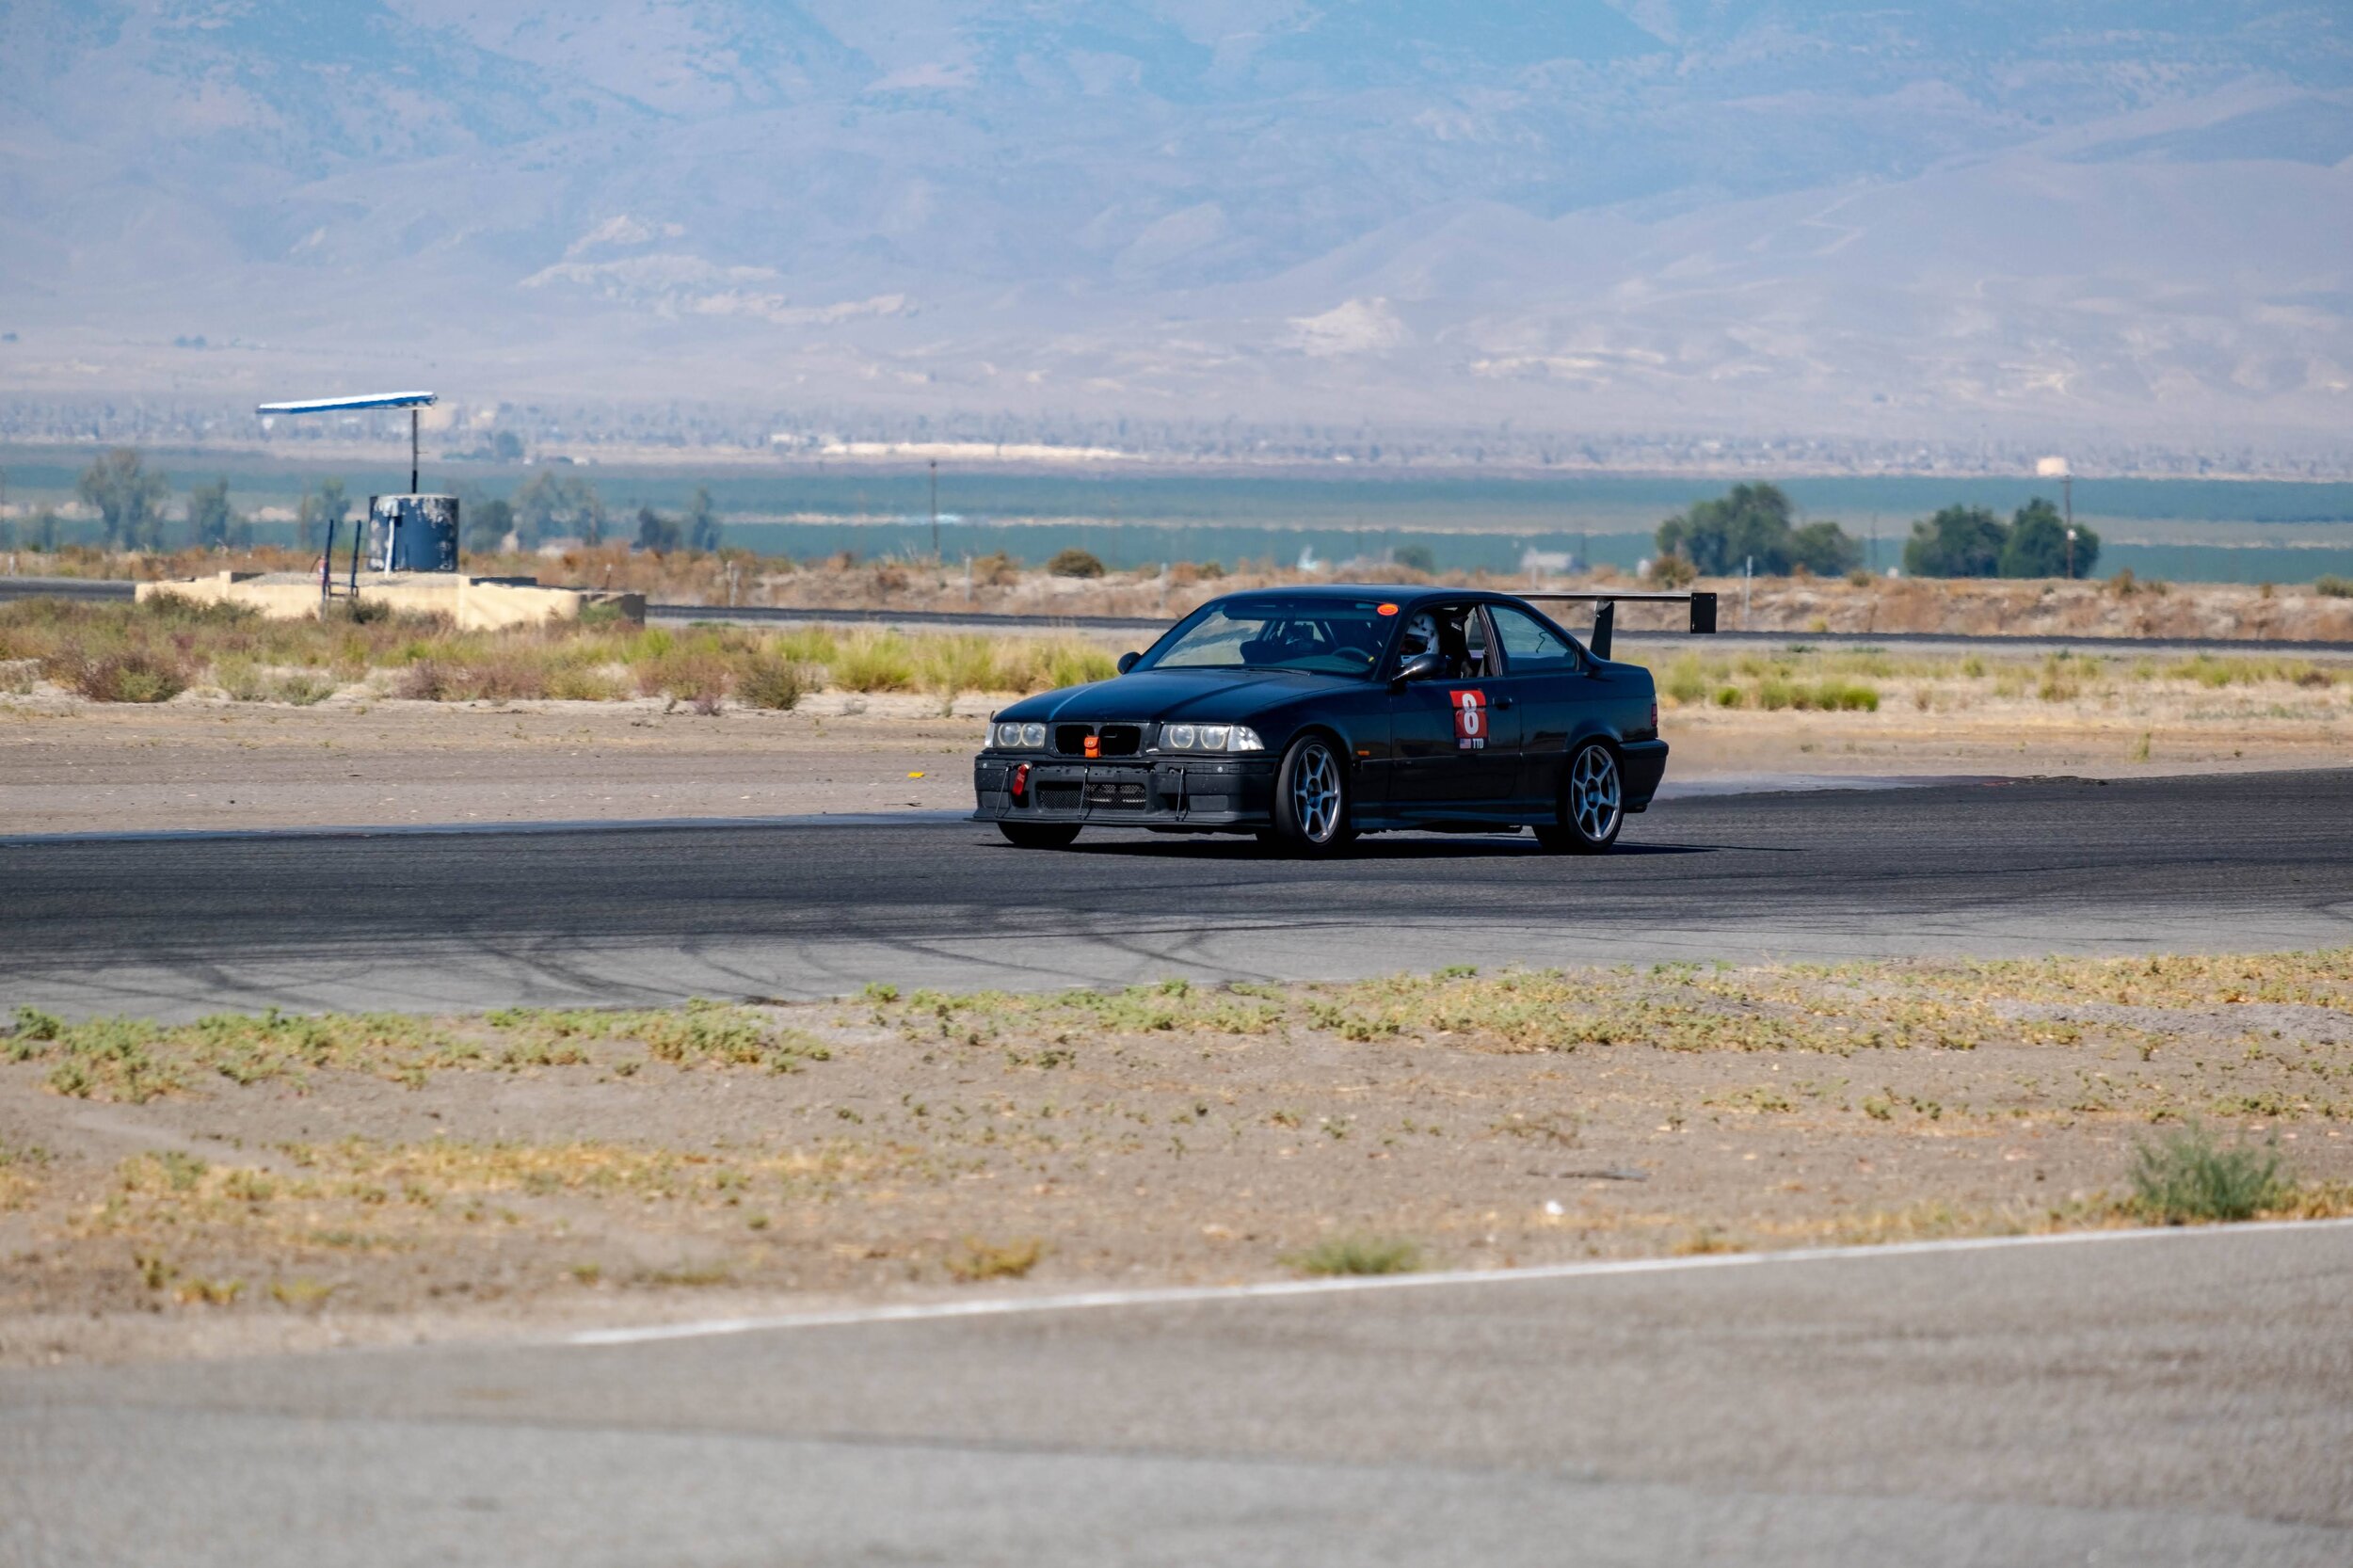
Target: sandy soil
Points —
{"points": [[68, 766], [264, 1187]]}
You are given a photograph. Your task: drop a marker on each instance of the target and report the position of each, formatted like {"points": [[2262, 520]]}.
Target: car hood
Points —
{"points": [[1209, 696]]}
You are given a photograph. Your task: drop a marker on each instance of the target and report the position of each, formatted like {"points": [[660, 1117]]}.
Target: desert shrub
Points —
{"points": [[700, 676], [768, 682], [2189, 1177], [1074, 562], [502, 676], [1673, 572], [575, 682], [949, 665], [302, 688], [133, 675], [2334, 587], [1686, 680], [872, 661]]}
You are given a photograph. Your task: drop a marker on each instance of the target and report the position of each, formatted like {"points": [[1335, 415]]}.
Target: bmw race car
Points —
{"points": [[1308, 715]]}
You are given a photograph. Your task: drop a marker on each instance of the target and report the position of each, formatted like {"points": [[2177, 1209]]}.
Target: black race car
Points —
{"points": [[1309, 716]]}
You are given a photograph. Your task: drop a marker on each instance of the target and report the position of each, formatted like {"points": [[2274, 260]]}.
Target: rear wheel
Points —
{"points": [[1040, 835], [1310, 800], [1593, 804]]}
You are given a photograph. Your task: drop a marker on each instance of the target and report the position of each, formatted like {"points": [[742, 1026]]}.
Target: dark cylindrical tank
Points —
{"points": [[412, 532]]}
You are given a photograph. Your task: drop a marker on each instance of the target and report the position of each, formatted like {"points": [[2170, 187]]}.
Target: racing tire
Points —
{"points": [[1593, 802], [1310, 800], [1040, 835]]}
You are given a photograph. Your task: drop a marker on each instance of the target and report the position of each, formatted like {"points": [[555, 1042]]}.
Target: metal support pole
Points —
{"points": [[934, 510], [2066, 495], [412, 451]]}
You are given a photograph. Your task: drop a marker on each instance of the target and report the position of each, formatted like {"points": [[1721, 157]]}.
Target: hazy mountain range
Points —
{"points": [[1745, 215]]}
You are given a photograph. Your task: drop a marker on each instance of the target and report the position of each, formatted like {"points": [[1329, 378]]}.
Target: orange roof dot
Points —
{"points": [[1384, 609]]}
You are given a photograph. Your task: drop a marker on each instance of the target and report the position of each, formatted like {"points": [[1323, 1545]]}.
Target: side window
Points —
{"points": [[1528, 646]]}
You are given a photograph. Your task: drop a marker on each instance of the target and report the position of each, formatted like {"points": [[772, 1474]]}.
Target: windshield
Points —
{"points": [[1318, 635]]}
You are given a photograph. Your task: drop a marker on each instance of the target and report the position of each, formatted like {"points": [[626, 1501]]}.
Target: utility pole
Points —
{"points": [[413, 413], [935, 509]]}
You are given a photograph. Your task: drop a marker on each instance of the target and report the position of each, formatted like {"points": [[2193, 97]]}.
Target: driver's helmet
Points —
{"points": [[1421, 635]]}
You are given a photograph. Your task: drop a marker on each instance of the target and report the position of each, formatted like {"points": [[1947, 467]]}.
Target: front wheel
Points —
{"points": [[1040, 835], [1593, 804], [1310, 800]]}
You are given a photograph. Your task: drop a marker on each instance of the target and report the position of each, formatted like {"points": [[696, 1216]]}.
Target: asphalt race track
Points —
{"points": [[2178, 1398], [173, 927]]}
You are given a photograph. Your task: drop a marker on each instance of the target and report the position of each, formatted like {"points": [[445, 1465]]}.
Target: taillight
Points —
{"points": [[1654, 716]]}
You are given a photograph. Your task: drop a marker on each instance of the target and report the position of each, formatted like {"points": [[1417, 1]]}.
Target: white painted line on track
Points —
{"points": [[1003, 1306]]}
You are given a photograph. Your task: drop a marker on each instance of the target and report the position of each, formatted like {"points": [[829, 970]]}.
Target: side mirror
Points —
{"points": [[1421, 666], [1127, 662]]}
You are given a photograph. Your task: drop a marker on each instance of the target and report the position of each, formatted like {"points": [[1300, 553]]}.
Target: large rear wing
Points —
{"points": [[1606, 618]]}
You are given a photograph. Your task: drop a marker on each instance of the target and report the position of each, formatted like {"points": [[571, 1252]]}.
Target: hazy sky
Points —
{"points": [[1651, 213]]}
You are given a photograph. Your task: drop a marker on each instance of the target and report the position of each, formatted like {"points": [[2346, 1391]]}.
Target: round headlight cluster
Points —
{"points": [[1014, 737], [1209, 737]]}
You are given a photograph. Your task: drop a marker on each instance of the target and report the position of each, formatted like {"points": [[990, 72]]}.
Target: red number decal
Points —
{"points": [[1470, 719]]}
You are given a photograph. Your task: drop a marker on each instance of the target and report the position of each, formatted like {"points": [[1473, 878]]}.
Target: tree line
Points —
{"points": [[1754, 527], [133, 503]]}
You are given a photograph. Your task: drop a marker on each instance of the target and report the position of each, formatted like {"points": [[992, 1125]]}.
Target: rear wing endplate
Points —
{"points": [[1606, 618]]}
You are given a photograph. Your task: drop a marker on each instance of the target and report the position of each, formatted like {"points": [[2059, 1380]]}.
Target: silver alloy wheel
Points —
{"points": [[1315, 793], [1594, 797]]}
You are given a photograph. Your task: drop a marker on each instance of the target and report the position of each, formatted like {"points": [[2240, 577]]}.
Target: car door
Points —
{"points": [[1455, 746], [1544, 677]]}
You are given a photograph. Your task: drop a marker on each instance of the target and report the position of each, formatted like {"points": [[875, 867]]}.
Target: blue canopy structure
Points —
{"points": [[338, 405], [412, 401]]}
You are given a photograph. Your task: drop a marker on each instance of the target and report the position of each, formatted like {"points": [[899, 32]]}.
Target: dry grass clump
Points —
{"points": [[1358, 1255], [360, 1194], [980, 1261], [19, 1178], [2186, 1177], [2317, 979], [153, 651], [1859, 678], [133, 1060], [1169, 1007]]}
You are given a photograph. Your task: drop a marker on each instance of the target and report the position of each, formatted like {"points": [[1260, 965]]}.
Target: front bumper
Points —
{"points": [[1200, 792]]}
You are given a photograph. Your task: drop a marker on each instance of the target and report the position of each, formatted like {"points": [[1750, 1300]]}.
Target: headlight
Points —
{"points": [[1209, 737], [1016, 737]]}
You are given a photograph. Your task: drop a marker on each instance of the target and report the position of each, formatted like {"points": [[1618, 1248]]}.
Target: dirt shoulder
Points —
{"points": [[252, 1184]]}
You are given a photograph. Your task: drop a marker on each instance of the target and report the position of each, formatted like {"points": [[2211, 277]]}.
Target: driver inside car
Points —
{"points": [[1421, 635]]}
